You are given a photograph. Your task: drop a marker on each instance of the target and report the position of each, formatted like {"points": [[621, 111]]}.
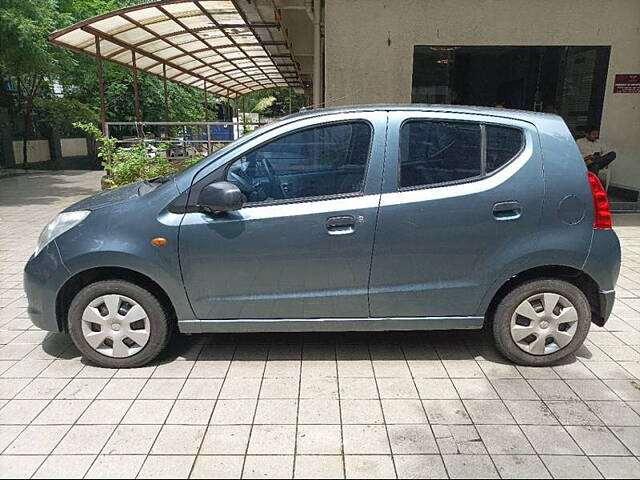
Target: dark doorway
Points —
{"points": [[569, 81]]}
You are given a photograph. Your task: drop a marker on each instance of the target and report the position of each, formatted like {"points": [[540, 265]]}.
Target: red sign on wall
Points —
{"points": [[626, 83]]}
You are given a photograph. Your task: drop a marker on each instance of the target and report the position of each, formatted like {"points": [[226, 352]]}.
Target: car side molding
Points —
{"points": [[246, 325]]}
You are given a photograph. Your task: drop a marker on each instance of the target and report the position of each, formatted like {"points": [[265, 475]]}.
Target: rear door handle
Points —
{"points": [[340, 225], [504, 211]]}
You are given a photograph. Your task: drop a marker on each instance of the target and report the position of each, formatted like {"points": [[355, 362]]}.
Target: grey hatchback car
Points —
{"points": [[394, 217]]}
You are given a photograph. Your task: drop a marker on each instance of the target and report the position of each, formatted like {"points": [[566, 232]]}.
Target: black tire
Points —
{"points": [[501, 325], [160, 323]]}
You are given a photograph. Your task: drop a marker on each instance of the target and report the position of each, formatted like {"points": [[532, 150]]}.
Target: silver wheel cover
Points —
{"points": [[544, 323], [115, 326]]}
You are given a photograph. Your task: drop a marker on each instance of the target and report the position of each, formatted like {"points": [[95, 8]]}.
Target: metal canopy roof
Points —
{"points": [[208, 44]]}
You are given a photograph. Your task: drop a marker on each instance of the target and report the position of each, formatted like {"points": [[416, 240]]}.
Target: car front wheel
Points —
{"points": [[117, 324], [541, 322]]}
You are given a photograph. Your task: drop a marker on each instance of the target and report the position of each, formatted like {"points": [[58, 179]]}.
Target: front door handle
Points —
{"points": [[504, 211], [340, 225]]}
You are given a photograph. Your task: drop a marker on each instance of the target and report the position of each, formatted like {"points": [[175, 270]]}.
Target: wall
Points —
{"points": [[369, 50], [37, 151]]}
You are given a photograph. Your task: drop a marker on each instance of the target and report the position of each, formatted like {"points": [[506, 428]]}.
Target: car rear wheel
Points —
{"points": [[541, 322], [118, 324]]}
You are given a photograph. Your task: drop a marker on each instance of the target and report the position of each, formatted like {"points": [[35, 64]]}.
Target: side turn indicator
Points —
{"points": [[158, 241]]}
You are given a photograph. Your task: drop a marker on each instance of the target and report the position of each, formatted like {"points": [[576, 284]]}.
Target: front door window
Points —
{"points": [[316, 162]]}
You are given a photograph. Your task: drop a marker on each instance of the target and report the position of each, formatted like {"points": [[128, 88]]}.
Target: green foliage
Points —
{"points": [[127, 165]]}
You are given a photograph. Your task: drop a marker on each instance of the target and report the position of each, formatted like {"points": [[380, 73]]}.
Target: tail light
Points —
{"points": [[601, 212]]}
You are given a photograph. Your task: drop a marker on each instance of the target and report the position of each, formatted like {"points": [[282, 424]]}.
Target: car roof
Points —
{"points": [[525, 115]]}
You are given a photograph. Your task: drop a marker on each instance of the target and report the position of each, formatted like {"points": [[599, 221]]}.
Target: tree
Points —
{"points": [[25, 56]]}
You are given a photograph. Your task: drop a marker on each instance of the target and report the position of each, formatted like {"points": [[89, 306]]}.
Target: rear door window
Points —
{"points": [[437, 152], [503, 144]]}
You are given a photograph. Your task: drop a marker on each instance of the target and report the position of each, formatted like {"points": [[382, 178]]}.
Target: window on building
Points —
{"points": [[435, 152], [319, 161]]}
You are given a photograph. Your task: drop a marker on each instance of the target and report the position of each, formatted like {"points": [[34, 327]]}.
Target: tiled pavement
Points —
{"points": [[307, 405]]}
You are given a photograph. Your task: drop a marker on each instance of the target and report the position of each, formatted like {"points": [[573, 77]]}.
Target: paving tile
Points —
{"points": [[122, 388], [419, 466], [116, 466], [201, 389], [266, 466], [319, 411], [397, 388], [628, 390], [225, 440], [319, 440], [446, 412], [19, 466], [37, 440], [597, 441], [65, 466], [21, 412], [9, 387], [573, 413], [553, 390], [458, 439], [358, 388], [281, 387], [148, 412], [530, 412], [217, 466], [191, 412], [8, 434], [131, 439], [83, 388], [161, 388], [474, 388], [403, 411], [105, 412], [618, 467], [570, 466], [84, 439], [369, 466], [409, 439], [520, 466], [318, 466], [615, 413], [167, 466], [233, 412], [61, 412], [504, 439], [630, 437], [488, 412], [592, 390], [320, 387], [513, 389], [436, 388], [178, 440], [361, 411], [551, 440], [470, 466], [272, 439], [272, 411], [43, 388], [365, 439]]}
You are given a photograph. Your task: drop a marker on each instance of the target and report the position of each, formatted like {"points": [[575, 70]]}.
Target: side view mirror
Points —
{"points": [[221, 197]]}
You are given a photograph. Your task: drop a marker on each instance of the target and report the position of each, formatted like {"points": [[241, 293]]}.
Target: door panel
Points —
{"points": [[287, 259], [438, 249]]}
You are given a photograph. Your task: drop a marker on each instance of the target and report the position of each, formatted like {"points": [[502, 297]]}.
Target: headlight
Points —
{"points": [[58, 226]]}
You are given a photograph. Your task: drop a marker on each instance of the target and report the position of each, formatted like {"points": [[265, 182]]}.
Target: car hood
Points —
{"points": [[108, 197]]}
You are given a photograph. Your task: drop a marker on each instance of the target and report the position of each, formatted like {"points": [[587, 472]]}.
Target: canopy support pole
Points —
{"points": [[244, 117], [206, 118], [317, 61], [136, 93], [103, 108], [166, 98]]}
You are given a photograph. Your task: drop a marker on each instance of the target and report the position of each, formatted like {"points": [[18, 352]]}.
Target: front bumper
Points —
{"points": [[44, 276]]}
